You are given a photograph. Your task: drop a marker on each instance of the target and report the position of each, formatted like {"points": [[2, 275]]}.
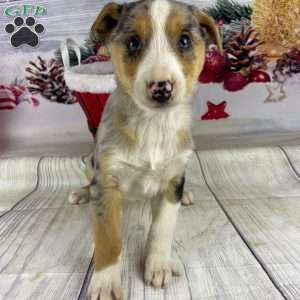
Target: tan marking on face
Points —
{"points": [[192, 61], [175, 24], [193, 67], [126, 66], [107, 225]]}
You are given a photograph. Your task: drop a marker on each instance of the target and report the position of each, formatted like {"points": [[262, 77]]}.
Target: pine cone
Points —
{"points": [[287, 65], [241, 47], [47, 78]]}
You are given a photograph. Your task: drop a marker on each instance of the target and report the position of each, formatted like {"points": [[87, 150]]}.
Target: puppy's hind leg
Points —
{"points": [[159, 266], [79, 196]]}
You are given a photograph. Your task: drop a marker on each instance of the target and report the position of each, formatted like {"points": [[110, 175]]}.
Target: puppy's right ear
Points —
{"points": [[211, 29], [106, 22]]}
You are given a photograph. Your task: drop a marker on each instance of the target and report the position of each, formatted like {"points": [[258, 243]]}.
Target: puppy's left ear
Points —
{"points": [[106, 22], [211, 29]]}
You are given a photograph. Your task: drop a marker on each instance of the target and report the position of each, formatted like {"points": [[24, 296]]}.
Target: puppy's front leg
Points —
{"points": [[106, 203], [159, 266]]}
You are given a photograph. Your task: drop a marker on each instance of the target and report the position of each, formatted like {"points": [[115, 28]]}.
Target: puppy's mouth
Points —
{"points": [[163, 104]]}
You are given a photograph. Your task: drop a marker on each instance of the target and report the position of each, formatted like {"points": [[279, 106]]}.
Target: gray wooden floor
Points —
{"points": [[241, 239]]}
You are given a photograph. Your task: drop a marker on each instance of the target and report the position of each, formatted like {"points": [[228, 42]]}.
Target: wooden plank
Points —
{"points": [[46, 240], [44, 254], [217, 262], [293, 155], [21, 147], [243, 140], [57, 178], [18, 178], [40, 286], [271, 228], [195, 181], [260, 193], [250, 173]]}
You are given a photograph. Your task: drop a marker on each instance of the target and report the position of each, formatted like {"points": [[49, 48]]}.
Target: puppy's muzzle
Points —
{"points": [[161, 91]]}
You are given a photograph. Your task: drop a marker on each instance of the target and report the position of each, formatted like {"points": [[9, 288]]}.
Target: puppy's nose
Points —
{"points": [[160, 91]]}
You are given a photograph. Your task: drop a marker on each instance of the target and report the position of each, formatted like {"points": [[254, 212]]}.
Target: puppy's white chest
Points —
{"points": [[157, 143], [149, 168], [157, 151]]}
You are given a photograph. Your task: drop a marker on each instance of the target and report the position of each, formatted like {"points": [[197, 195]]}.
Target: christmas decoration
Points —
{"points": [[47, 78], [287, 65], [234, 81], [206, 76], [271, 51], [259, 76], [229, 10], [277, 22], [241, 48], [13, 95], [93, 106], [89, 48], [215, 66], [95, 58], [215, 111], [91, 51], [235, 26], [276, 92]]}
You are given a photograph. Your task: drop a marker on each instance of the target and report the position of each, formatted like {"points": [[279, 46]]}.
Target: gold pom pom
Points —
{"points": [[277, 22]]}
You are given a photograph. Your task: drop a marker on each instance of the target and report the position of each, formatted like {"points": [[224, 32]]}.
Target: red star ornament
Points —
{"points": [[215, 111]]}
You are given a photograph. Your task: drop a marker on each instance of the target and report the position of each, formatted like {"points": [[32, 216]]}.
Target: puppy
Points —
{"points": [[144, 140]]}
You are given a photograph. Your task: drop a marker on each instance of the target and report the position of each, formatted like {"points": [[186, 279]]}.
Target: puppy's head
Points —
{"points": [[157, 48]]}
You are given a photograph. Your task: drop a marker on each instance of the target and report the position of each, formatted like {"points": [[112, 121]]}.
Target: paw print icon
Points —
{"points": [[24, 32]]}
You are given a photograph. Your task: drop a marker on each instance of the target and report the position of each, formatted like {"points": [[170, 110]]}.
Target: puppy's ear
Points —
{"points": [[211, 29], [106, 21]]}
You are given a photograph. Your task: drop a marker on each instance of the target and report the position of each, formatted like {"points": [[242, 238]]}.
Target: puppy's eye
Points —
{"points": [[184, 42], [133, 44]]}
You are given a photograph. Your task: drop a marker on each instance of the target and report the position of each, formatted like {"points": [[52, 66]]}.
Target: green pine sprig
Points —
{"points": [[235, 26], [229, 10]]}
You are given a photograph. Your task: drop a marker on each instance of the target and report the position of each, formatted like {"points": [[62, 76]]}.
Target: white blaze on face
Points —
{"points": [[160, 62]]}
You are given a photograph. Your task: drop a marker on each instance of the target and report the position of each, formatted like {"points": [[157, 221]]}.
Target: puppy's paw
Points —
{"points": [[187, 198], [80, 196], [160, 271], [106, 284]]}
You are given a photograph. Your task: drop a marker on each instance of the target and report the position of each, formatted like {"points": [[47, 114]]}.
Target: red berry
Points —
{"points": [[206, 77], [259, 76], [219, 77], [234, 81], [220, 23], [215, 62], [98, 46], [214, 67]]}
